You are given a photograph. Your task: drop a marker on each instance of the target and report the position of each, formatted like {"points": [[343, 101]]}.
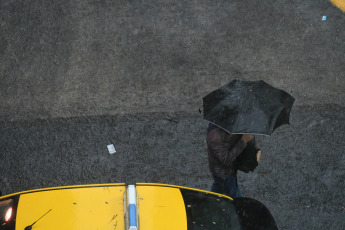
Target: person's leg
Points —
{"points": [[219, 186], [231, 183]]}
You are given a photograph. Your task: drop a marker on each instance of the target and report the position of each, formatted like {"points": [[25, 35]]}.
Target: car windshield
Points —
{"points": [[209, 211]]}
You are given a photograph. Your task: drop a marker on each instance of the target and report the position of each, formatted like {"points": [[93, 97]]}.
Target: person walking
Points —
{"points": [[223, 149]]}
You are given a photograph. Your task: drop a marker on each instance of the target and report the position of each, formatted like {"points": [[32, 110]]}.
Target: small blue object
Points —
{"points": [[132, 215], [324, 18]]}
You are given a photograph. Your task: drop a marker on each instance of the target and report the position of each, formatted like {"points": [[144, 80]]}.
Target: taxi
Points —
{"points": [[144, 206]]}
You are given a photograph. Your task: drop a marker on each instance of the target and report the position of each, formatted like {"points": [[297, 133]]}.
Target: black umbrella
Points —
{"points": [[252, 107]]}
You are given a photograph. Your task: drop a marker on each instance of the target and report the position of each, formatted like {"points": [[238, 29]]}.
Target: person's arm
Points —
{"points": [[224, 152]]}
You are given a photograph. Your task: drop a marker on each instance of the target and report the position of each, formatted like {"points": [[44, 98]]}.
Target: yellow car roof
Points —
{"points": [[161, 208], [72, 208], [104, 206]]}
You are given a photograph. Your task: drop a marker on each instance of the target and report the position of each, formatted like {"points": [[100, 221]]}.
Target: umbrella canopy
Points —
{"points": [[248, 107]]}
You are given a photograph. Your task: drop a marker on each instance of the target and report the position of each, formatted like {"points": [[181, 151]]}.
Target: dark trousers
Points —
{"points": [[227, 186]]}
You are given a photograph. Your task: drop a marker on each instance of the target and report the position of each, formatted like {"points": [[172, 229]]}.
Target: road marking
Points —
{"points": [[339, 3]]}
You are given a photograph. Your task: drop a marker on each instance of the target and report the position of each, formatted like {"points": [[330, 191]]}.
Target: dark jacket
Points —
{"points": [[223, 149]]}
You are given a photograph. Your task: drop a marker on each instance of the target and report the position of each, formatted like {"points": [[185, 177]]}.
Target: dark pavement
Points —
{"points": [[76, 76]]}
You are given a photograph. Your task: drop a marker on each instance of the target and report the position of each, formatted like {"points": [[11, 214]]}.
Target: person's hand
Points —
{"points": [[247, 137], [258, 156]]}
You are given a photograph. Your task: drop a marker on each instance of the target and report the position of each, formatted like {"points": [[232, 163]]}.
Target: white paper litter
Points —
{"points": [[111, 149]]}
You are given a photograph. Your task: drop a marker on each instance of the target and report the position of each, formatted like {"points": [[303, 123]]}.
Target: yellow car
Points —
{"points": [[143, 206]]}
